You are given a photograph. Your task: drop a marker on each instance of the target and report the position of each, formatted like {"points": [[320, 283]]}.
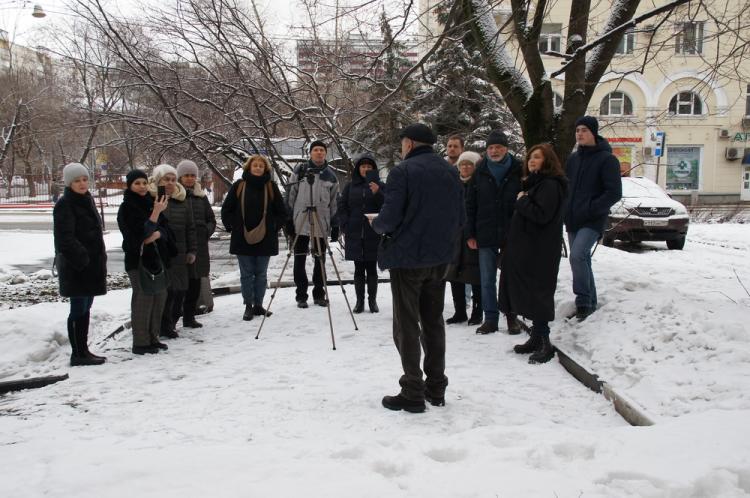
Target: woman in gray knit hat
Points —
{"points": [[80, 258], [205, 225]]}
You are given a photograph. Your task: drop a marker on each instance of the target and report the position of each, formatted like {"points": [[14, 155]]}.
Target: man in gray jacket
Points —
{"points": [[302, 196]]}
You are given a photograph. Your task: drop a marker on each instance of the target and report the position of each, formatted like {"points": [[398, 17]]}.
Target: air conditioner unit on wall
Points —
{"points": [[648, 151], [746, 122], [732, 153], [724, 133]]}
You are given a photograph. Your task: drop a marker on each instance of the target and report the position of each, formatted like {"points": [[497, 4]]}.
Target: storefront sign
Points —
{"points": [[741, 136], [624, 154], [683, 168]]}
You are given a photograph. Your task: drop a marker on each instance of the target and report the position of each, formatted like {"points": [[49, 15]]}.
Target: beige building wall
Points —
{"points": [[697, 146]]}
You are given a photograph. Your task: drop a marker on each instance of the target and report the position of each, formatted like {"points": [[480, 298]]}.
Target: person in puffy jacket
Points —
{"points": [[363, 195], [595, 185], [145, 241], [80, 258], [205, 225], [249, 200]]}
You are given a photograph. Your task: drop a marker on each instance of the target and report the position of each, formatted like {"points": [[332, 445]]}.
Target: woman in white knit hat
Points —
{"points": [[465, 269], [80, 258], [205, 224], [180, 218]]}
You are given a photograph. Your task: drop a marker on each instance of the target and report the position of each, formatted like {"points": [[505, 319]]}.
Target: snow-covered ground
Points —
{"points": [[223, 414]]}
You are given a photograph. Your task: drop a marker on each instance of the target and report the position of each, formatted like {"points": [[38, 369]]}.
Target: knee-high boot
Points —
{"points": [[359, 290], [78, 334], [372, 291]]}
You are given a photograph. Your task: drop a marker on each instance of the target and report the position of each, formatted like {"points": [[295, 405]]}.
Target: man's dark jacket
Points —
{"points": [[595, 185], [489, 206], [423, 212]]}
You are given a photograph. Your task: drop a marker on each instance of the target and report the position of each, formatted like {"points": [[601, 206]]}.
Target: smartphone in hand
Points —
{"points": [[161, 191], [372, 176]]}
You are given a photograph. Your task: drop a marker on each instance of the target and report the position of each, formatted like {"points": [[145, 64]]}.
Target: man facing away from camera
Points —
{"points": [[422, 219]]}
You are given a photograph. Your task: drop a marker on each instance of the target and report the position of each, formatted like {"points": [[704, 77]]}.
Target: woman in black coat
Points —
{"points": [[80, 258], [258, 190], [145, 240], [363, 195], [532, 256], [465, 269]]}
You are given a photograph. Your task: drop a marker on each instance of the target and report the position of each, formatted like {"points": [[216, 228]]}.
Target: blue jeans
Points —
{"points": [[581, 242], [253, 279], [488, 280], [80, 306]]}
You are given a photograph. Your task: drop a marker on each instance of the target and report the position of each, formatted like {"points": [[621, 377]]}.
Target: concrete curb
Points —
{"points": [[32, 383], [632, 412]]}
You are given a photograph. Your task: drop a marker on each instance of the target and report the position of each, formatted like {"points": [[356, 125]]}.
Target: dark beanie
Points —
{"points": [[589, 122], [318, 143], [135, 174], [497, 137], [420, 133]]}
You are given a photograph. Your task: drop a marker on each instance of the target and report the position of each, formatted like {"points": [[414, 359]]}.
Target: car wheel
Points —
{"points": [[608, 242], [676, 243]]}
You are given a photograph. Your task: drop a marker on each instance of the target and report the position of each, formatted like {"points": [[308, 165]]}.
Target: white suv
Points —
{"points": [[646, 212]]}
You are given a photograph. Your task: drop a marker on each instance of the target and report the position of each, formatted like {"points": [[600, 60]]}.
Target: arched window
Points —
{"points": [[616, 104], [686, 104]]}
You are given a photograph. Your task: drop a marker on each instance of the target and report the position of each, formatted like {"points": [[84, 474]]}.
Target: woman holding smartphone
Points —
{"points": [[363, 195], [145, 241], [80, 258], [163, 182]]}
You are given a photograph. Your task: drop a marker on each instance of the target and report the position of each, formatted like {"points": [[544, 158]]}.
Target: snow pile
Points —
{"points": [[672, 330]]}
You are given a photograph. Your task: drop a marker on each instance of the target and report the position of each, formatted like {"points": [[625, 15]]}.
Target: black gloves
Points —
{"points": [[334, 234]]}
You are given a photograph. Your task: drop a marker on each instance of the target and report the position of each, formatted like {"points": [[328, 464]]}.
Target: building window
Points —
{"points": [[689, 39], [686, 104], [627, 44], [683, 168], [747, 102], [550, 39], [616, 104]]}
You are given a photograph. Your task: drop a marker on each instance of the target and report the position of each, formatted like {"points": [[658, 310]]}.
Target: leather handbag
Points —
{"points": [[152, 283], [258, 233]]}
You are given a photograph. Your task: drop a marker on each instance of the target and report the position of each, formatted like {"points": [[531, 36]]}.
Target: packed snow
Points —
{"points": [[223, 414]]}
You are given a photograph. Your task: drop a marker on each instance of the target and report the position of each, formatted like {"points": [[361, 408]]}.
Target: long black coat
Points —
{"points": [[361, 241], [423, 212], [531, 258], [231, 215], [595, 185], [205, 225], [135, 226], [489, 206], [80, 255], [465, 268]]}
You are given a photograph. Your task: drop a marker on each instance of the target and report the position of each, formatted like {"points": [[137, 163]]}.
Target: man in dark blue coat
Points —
{"points": [[421, 218], [595, 185], [491, 198]]}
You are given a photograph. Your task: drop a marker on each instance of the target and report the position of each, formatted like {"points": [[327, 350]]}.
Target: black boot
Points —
{"points": [[487, 327], [85, 326], [191, 322], [248, 315], [476, 312], [373, 304], [398, 402], [372, 291], [359, 306], [528, 347], [359, 290], [514, 328], [544, 353], [258, 310], [460, 315], [78, 335]]}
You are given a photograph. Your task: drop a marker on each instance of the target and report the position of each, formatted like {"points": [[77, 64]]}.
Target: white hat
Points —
{"points": [[186, 167], [161, 171], [73, 171], [470, 156]]}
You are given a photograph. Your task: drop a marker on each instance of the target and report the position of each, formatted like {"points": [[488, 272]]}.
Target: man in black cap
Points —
{"points": [[595, 185], [491, 198], [421, 218], [302, 195]]}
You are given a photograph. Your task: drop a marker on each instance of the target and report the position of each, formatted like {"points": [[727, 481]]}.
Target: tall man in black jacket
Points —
{"points": [[491, 197], [595, 185], [422, 218]]}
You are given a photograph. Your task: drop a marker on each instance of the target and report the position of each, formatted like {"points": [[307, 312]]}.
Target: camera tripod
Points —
{"points": [[317, 246]]}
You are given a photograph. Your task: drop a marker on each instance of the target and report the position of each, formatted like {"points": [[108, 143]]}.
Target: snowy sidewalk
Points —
{"points": [[221, 414]]}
